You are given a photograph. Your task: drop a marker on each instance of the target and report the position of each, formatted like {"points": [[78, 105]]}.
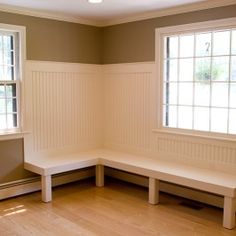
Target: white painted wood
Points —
{"points": [[46, 188], [131, 101], [174, 172], [64, 108], [62, 127], [128, 105], [194, 177], [34, 184], [229, 212], [49, 165], [181, 191], [171, 11], [153, 191], [99, 175], [199, 178], [117, 20]]}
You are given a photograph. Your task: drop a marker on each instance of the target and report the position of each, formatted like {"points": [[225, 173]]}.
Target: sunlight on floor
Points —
{"points": [[12, 211]]}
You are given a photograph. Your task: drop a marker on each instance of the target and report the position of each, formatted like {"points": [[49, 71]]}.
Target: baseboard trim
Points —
{"points": [[34, 184]]}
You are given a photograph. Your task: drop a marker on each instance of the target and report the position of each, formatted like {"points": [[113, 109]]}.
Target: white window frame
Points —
{"points": [[160, 33], [21, 32]]}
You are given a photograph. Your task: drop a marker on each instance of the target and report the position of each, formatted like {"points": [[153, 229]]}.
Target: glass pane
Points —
{"points": [[203, 44], [233, 68], [2, 105], [11, 120], [7, 58], [11, 90], [1, 43], [202, 94], [7, 42], [170, 93], [185, 93], [170, 116], [171, 47], [233, 95], [172, 73], [221, 43], [201, 118], [219, 97], [186, 46], [220, 68], [185, 117], [3, 124], [186, 70], [10, 73], [233, 42], [2, 91], [232, 119], [1, 57], [11, 105], [203, 69], [1, 72], [219, 119]]}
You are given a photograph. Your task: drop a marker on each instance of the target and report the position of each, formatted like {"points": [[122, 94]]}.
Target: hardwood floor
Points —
{"points": [[117, 209]]}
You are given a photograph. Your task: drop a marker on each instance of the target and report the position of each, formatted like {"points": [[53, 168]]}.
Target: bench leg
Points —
{"points": [[229, 212], [153, 191], [99, 175], [46, 182]]}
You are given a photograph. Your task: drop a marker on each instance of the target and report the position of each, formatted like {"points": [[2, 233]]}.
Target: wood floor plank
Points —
{"points": [[118, 209]]}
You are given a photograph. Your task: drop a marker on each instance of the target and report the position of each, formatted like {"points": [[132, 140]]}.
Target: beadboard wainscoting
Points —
{"points": [[129, 107], [131, 114], [81, 106], [63, 104]]}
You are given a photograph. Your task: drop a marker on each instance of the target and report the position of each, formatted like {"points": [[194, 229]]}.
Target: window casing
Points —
{"points": [[11, 69], [197, 77]]}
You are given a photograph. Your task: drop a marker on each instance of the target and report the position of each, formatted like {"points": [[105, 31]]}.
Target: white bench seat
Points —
{"points": [[194, 177]]}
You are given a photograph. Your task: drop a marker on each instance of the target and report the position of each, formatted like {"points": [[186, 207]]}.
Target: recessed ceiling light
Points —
{"points": [[95, 1]]}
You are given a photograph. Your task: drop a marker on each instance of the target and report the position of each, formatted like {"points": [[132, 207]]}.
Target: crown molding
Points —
{"points": [[47, 15], [172, 11], [137, 17]]}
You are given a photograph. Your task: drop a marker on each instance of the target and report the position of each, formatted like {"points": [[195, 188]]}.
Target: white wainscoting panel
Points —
{"points": [[131, 115], [204, 152], [63, 105], [128, 106]]}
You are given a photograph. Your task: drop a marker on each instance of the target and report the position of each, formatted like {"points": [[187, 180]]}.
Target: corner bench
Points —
{"points": [[194, 177]]}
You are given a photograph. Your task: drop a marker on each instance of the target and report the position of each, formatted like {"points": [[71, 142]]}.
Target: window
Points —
{"points": [[11, 55], [198, 77]]}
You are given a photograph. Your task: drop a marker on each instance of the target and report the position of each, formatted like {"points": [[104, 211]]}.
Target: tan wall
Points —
{"points": [[135, 41], [11, 161], [51, 40]]}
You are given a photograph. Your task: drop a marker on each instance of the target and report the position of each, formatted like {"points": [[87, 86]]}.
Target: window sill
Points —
{"points": [[195, 134], [11, 135]]}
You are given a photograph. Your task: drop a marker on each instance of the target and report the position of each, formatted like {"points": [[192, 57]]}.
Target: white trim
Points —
{"points": [[12, 135], [177, 190], [138, 17], [34, 184], [172, 11], [197, 134], [199, 26], [47, 15], [180, 29], [21, 31]]}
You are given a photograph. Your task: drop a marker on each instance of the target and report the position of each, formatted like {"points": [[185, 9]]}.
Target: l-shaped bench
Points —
{"points": [[194, 177]]}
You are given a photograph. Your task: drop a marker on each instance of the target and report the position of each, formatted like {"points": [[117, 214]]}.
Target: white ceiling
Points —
{"points": [[109, 10]]}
